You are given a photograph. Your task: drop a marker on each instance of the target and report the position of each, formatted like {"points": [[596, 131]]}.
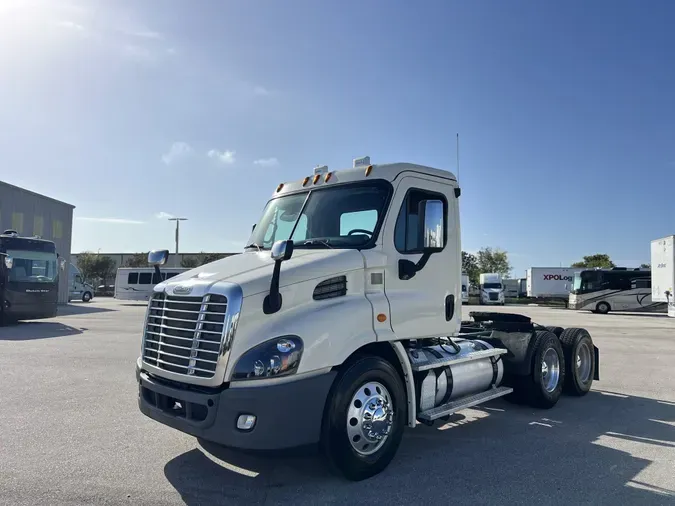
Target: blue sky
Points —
{"points": [[132, 110]]}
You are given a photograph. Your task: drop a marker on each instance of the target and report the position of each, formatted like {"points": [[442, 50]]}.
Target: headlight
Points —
{"points": [[277, 357]]}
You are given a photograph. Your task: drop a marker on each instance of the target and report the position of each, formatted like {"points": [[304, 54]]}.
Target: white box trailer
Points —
{"points": [[550, 281], [663, 272]]}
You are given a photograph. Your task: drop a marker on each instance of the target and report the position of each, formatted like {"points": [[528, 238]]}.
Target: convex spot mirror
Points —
{"points": [[282, 250], [9, 261], [158, 257]]}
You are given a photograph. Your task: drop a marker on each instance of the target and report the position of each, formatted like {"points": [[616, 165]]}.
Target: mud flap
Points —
{"points": [[596, 356]]}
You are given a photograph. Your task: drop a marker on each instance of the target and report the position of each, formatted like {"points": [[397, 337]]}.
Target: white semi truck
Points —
{"points": [[491, 289], [465, 289], [341, 324], [663, 272]]}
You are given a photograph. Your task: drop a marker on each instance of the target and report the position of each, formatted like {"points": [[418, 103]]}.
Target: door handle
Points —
{"points": [[449, 307]]}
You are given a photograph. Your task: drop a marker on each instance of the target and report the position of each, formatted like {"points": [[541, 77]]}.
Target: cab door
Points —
{"points": [[423, 289]]}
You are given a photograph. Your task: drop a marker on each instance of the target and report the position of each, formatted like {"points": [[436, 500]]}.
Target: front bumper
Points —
{"points": [[288, 414]]}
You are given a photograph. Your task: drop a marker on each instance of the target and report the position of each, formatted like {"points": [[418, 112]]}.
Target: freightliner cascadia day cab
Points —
{"points": [[340, 324], [491, 289]]}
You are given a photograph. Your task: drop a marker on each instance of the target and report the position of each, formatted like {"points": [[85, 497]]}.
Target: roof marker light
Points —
{"points": [[281, 185], [328, 176], [315, 179], [369, 169], [305, 181]]}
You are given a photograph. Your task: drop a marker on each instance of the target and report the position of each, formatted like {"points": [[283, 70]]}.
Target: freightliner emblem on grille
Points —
{"points": [[182, 289]]}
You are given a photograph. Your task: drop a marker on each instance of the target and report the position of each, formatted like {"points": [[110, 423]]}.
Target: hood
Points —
{"points": [[252, 271]]}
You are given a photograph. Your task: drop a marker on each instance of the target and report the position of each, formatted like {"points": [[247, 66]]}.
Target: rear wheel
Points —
{"points": [[579, 361], [543, 387], [364, 419], [602, 308], [556, 330]]}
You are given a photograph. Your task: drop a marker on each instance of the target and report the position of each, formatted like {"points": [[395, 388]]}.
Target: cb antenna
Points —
{"points": [[457, 157]]}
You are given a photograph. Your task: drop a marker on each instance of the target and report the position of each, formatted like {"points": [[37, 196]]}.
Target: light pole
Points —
{"points": [[177, 220]]}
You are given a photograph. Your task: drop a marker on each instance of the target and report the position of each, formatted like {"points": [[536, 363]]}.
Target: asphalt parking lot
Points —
{"points": [[71, 432]]}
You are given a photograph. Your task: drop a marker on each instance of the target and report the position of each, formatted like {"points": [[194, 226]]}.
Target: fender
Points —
{"points": [[409, 382]]}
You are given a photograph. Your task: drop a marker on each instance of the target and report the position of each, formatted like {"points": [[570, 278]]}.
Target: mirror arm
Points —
{"points": [[272, 302], [407, 269], [157, 275]]}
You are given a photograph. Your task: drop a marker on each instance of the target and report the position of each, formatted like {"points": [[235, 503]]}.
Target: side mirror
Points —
{"points": [[62, 264], [158, 257], [431, 215], [9, 261], [282, 250]]}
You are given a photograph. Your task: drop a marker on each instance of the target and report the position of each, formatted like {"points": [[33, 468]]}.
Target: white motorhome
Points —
{"points": [[617, 289], [78, 288], [491, 289], [663, 272], [340, 324], [137, 283], [465, 289]]}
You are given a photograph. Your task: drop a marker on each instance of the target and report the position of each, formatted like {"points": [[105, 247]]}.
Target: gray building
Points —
{"points": [[32, 214]]}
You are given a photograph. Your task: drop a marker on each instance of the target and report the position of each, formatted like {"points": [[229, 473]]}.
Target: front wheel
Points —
{"points": [[364, 419], [86, 297], [602, 308]]}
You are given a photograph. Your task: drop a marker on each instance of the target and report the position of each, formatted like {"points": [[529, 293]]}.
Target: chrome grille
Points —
{"points": [[184, 334]]}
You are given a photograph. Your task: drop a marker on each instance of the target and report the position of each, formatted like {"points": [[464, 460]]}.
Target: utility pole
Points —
{"points": [[177, 220]]}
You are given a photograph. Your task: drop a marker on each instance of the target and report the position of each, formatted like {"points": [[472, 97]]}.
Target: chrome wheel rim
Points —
{"points": [[583, 363], [369, 418], [550, 370]]}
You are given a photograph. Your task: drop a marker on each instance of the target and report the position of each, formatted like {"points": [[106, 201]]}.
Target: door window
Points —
{"points": [[407, 236]]}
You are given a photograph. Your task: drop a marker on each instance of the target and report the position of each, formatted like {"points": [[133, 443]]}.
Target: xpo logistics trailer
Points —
{"points": [[550, 282], [340, 324], [663, 272]]}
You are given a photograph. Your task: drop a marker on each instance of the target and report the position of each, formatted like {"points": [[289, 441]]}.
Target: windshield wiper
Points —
{"points": [[255, 245], [314, 242]]}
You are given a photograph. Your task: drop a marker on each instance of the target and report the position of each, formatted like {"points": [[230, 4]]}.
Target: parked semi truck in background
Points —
{"points": [[465, 289], [663, 272], [341, 323], [511, 288], [491, 289]]}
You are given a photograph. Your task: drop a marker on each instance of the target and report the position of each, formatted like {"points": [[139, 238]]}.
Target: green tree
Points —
{"points": [[189, 262], [105, 268], [494, 260], [470, 267], [86, 262], [600, 260], [137, 260]]}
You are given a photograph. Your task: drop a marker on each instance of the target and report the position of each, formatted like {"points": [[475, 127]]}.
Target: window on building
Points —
{"points": [[57, 229], [407, 237], [17, 222], [38, 225], [145, 278], [133, 278]]}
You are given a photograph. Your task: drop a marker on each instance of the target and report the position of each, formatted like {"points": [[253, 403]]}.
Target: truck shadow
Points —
{"points": [[81, 308], [604, 448], [29, 331]]}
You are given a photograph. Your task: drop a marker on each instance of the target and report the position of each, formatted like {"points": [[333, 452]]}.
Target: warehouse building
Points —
{"points": [[32, 214]]}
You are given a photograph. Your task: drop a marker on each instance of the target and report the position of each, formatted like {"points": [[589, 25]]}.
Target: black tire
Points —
{"points": [[533, 388], [579, 361], [556, 330], [603, 307], [86, 296], [335, 442]]}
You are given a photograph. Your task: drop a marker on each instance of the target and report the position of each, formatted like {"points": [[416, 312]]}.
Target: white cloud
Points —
{"points": [[71, 25], [226, 157], [261, 90], [146, 34], [267, 162], [163, 216], [178, 151], [119, 221]]}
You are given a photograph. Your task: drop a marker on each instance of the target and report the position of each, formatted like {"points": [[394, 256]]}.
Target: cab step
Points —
{"points": [[431, 362], [462, 403]]}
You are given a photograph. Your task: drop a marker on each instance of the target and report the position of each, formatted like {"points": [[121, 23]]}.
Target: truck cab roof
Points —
{"points": [[389, 172]]}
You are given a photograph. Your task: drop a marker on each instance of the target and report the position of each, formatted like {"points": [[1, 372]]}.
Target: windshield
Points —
{"points": [[32, 266], [577, 283], [492, 285], [344, 216]]}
